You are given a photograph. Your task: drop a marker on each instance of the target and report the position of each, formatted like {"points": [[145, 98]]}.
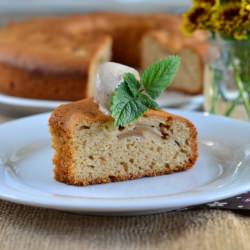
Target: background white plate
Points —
{"points": [[23, 106], [223, 170]]}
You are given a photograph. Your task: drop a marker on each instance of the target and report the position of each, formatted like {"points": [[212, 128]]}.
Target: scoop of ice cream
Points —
{"points": [[108, 77]]}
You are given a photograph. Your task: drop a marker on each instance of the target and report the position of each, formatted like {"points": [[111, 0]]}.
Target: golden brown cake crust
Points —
{"points": [[65, 117], [176, 41], [62, 54]]}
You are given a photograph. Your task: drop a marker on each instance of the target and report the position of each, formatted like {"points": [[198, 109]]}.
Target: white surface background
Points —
{"points": [[25, 5], [19, 9]]}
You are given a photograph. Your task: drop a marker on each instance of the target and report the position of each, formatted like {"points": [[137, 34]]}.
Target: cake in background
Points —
{"points": [[46, 66], [156, 45], [56, 58]]}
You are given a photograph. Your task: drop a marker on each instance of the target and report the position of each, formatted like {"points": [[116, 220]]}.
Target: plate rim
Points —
{"points": [[14, 101], [29, 102]]}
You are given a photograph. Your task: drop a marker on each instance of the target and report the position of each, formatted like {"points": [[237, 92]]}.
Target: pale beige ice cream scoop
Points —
{"points": [[109, 76]]}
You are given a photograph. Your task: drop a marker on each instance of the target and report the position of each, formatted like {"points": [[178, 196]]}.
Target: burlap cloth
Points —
{"points": [[23, 227]]}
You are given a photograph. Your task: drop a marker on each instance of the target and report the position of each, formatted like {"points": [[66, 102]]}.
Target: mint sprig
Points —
{"points": [[132, 98], [125, 106], [157, 77]]}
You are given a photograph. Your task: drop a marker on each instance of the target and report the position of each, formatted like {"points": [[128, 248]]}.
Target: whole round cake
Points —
{"points": [[57, 58]]}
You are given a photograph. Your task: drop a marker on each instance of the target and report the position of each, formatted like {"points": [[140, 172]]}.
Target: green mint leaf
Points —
{"points": [[148, 101], [132, 83], [157, 77], [125, 106], [131, 98]]}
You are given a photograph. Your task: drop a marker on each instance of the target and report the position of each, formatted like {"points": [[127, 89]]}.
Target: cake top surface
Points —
{"points": [[175, 41], [47, 51], [65, 44], [87, 111]]}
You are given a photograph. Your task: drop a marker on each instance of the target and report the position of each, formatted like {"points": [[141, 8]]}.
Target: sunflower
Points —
{"points": [[205, 2], [197, 18], [245, 14], [230, 21], [246, 6], [230, 18]]}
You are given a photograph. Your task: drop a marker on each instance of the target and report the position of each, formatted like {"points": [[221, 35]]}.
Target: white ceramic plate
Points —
{"points": [[223, 170], [23, 106]]}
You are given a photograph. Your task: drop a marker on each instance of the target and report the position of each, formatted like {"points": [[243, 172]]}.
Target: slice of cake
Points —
{"points": [[157, 45], [90, 150], [121, 133]]}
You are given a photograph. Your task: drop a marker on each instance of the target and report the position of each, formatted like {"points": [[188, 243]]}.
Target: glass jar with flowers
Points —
{"points": [[227, 72]]}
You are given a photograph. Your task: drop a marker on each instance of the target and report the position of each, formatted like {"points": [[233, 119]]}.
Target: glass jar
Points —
{"points": [[227, 78]]}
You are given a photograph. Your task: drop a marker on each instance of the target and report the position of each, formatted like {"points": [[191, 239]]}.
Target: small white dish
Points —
{"points": [[222, 171], [23, 106]]}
